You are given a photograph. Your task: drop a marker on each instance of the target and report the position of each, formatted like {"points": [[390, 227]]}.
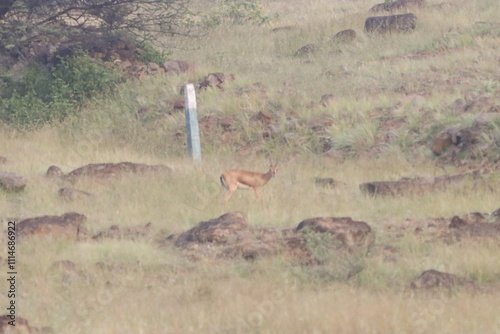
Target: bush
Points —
{"points": [[43, 95], [237, 12], [149, 54]]}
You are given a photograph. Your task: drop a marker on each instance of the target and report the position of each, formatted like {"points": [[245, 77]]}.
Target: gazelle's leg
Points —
{"points": [[256, 193]]}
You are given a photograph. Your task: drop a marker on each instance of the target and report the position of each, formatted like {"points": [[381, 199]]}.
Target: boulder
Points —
{"points": [[68, 225], [228, 228], [12, 182], [391, 23]]}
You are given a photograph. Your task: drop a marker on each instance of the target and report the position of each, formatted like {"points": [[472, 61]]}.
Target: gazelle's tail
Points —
{"points": [[223, 181]]}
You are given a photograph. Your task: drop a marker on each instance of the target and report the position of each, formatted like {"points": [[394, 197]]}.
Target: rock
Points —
{"points": [[306, 50], [397, 5], [70, 194], [176, 66], [107, 170], [284, 28], [432, 279], [458, 139], [3, 160], [327, 100], [419, 184], [320, 123], [12, 182], [327, 182], [345, 36], [21, 326], [349, 232], [229, 236], [54, 171], [228, 228], [65, 265], [263, 116], [125, 233], [391, 23], [68, 225], [215, 80]]}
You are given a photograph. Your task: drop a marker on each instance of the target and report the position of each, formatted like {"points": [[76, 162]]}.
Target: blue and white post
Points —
{"points": [[192, 129]]}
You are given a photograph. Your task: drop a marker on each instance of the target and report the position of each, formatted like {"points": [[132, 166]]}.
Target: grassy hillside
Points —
{"points": [[392, 95]]}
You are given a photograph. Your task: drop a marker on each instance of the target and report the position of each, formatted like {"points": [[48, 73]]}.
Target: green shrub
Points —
{"points": [[237, 12], [43, 95], [149, 54]]}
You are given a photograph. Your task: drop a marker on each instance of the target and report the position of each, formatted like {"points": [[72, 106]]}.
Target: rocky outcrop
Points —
{"points": [[230, 236], [419, 184], [107, 170], [68, 225]]}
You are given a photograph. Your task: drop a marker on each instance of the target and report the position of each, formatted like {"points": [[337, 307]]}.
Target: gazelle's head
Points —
{"points": [[273, 168]]}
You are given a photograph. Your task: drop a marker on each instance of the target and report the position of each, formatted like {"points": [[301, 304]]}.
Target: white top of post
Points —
{"points": [[190, 96]]}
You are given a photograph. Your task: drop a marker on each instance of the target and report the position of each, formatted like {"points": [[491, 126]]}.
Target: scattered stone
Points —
{"points": [[12, 182], [397, 5], [126, 233], [391, 23], [107, 170], [3, 160], [306, 50], [433, 279], [419, 184], [345, 36], [68, 225]]}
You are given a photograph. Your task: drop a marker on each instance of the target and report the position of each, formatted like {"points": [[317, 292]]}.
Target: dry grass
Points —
{"points": [[137, 287]]}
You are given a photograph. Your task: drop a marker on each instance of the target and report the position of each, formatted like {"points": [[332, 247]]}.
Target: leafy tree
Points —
{"points": [[24, 22]]}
